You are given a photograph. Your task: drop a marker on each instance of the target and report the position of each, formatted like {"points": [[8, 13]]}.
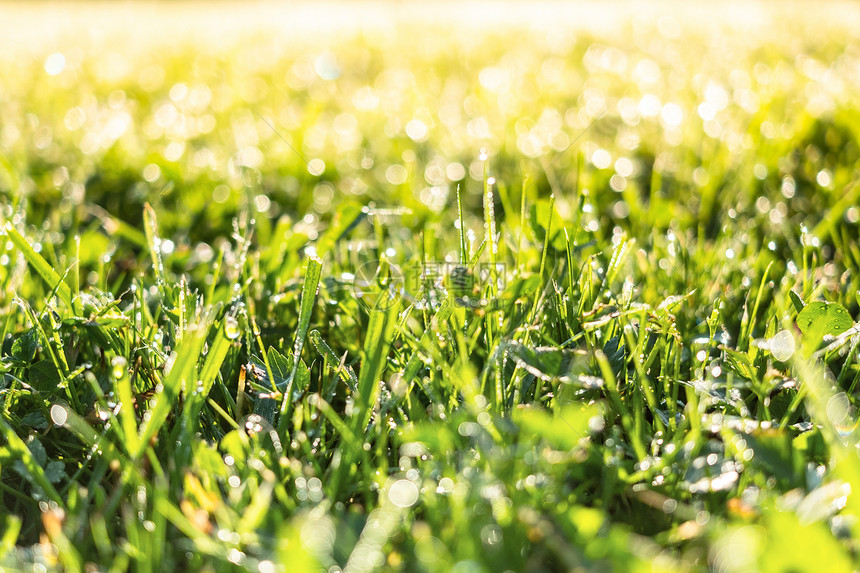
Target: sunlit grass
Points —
{"points": [[480, 288]]}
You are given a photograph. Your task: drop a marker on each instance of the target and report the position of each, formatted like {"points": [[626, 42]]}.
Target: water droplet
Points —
{"points": [[841, 414], [118, 363], [59, 414], [782, 345], [235, 556], [231, 328], [446, 485], [101, 413], [253, 424], [403, 493], [491, 534]]}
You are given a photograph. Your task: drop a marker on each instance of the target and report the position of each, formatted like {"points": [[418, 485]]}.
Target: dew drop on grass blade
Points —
{"points": [[309, 294], [150, 225], [377, 341], [182, 370]]}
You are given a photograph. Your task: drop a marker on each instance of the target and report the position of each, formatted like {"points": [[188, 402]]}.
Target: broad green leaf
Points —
{"points": [[282, 371], [55, 471], [819, 319], [38, 451], [25, 346], [209, 461], [44, 376], [235, 443]]}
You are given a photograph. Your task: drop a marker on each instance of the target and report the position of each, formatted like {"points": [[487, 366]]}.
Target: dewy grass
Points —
{"points": [[547, 304]]}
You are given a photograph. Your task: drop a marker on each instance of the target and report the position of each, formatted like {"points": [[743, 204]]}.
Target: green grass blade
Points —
{"points": [[150, 226], [40, 265], [306, 307], [464, 253], [19, 450], [218, 349], [546, 242], [11, 527], [377, 342], [181, 374], [123, 391], [345, 373]]}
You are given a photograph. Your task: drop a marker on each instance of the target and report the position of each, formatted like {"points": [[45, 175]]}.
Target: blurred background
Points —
{"points": [[292, 110]]}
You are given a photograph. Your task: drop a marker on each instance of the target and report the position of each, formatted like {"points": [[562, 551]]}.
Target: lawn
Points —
{"points": [[429, 287]]}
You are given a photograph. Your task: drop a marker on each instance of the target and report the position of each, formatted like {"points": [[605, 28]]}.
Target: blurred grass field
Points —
{"points": [[429, 287]]}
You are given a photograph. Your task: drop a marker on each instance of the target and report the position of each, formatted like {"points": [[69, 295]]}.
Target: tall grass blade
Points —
{"points": [[40, 265], [309, 294], [377, 342]]}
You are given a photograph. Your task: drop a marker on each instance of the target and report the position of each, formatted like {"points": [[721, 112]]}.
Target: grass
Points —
{"points": [[449, 296]]}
